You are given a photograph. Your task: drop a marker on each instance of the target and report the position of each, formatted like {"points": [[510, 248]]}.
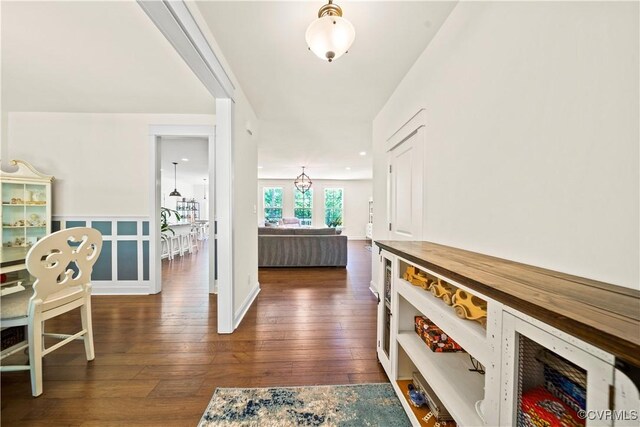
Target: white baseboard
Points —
{"points": [[121, 288], [357, 238], [246, 305]]}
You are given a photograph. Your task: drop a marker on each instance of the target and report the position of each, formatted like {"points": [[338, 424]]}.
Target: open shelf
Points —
{"points": [[470, 335], [422, 412], [448, 374]]}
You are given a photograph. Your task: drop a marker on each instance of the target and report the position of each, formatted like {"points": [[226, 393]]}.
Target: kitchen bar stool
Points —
{"points": [[176, 248], [184, 244], [193, 241], [165, 248]]}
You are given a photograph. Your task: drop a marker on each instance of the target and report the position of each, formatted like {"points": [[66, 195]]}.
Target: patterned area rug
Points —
{"points": [[342, 405]]}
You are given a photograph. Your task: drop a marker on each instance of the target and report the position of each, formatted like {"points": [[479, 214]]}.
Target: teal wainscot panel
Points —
{"points": [[102, 267], [127, 228], [145, 260], [127, 260], [103, 227]]}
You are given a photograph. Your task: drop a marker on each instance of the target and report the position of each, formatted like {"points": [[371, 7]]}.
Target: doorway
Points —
{"points": [[195, 141]]}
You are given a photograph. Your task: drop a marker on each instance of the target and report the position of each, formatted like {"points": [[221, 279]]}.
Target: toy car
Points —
{"points": [[442, 290], [417, 278], [470, 307]]}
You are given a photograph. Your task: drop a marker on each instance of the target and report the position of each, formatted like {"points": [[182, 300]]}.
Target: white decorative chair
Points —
{"points": [[58, 288]]}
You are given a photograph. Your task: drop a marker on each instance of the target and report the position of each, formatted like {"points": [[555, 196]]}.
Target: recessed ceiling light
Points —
{"points": [[348, 168], [363, 153], [185, 160], [259, 167]]}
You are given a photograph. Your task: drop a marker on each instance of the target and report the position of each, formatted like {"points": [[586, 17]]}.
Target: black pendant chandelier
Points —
{"points": [[303, 182], [175, 192]]}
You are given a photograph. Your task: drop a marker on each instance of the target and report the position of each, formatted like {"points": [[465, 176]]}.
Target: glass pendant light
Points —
{"points": [[330, 36]]}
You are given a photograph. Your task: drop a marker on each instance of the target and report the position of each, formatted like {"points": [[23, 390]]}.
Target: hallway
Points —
{"points": [[159, 358]]}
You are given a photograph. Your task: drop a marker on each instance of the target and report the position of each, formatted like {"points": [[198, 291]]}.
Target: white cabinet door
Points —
{"points": [[530, 357], [384, 347], [405, 188]]}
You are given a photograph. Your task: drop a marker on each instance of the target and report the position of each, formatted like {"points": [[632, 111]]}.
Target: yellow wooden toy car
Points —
{"points": [[442, 290], [470, 307], [417, 277]]}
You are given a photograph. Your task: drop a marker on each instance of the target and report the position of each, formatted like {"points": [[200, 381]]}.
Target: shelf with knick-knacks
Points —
{"points": [[26, 205]]}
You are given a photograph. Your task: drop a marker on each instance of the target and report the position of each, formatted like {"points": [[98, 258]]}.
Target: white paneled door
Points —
{"points": [[405, 188]]}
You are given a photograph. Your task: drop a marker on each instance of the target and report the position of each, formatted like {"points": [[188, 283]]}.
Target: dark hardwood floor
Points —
{"points": [[159, 358]]}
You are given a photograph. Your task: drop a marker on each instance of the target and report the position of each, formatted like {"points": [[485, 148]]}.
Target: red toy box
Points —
{"points": [[540, 408], [435, 338]]}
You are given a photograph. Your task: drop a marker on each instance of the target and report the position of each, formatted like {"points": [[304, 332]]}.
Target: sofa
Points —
{"points": [[301, 247]]}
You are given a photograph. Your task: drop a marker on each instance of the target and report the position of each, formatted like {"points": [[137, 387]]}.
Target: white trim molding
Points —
{"points": [[242, 311], [405, 131], [175, 21]]}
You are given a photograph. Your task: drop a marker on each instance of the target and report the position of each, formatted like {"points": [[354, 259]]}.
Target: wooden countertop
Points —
{"points": [[604, 315]]}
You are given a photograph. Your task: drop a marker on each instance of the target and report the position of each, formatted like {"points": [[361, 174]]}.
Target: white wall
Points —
{"points": [[245, 234], [100, 161], [532, 135], [356, 202]]}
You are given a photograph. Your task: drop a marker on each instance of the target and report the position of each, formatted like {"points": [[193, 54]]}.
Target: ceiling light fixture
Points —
{"points": [[363, 153], [303, 182], [330, 36], [185, 160], [175, 192]]}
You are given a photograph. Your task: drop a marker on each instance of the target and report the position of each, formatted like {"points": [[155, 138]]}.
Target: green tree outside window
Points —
{"points": [[303, 206], [272, 204], [333, 206]]}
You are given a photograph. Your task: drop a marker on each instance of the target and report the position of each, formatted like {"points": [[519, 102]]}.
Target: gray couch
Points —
{"points": [[301, 247]]}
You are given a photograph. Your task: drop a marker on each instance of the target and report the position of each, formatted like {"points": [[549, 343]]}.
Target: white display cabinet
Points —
{"points": [[523, 356], [26, 205]]}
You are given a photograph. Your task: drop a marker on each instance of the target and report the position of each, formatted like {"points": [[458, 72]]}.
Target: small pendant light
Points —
{"points": [[175, 192]]}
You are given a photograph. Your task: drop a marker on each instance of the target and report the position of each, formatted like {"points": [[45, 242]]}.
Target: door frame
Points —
{"points": [[220, 199], [178, 22]]}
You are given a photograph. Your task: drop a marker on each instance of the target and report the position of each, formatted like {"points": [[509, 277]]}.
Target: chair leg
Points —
{"points": [[35, 356], [85, 314]]}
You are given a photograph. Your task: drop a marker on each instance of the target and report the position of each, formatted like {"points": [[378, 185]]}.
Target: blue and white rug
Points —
{"points": [[342, 405]]}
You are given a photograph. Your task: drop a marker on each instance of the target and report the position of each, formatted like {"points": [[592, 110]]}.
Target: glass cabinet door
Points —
{"points": [[26, 205], [385, 313]]}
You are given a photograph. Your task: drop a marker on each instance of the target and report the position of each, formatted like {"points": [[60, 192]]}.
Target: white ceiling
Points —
{"points": [[312, 112], [194, 149], [92, 57]]}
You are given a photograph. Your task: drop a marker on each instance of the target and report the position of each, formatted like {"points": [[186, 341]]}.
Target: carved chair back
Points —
{"points": [[63, 259]]}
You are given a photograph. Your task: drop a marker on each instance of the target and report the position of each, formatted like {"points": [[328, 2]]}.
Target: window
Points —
{"points": [[333, 206], [272, 204], [303, 206]]}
